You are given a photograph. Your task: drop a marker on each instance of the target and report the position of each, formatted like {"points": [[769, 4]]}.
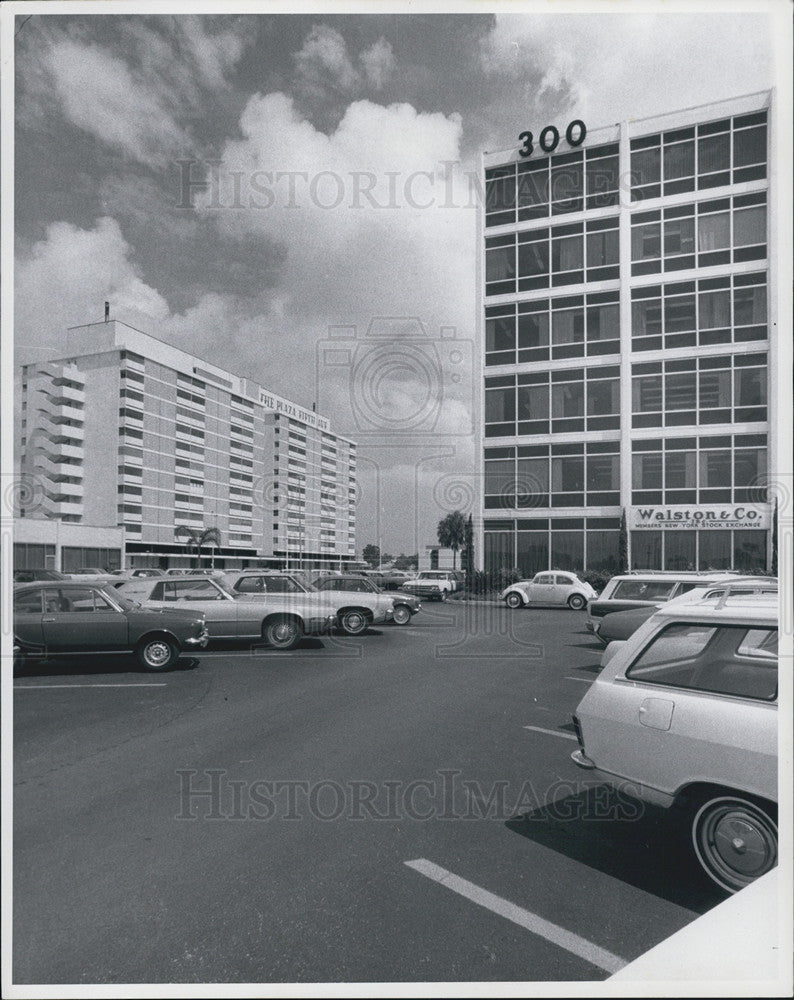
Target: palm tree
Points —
{"points": [[197, 539], [452, 533]]}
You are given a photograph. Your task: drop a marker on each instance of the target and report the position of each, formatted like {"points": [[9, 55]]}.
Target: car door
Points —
{"points": [[541, 589], [81, 619], [563, 588], [28, 610], [698, 703], [221, 611]]}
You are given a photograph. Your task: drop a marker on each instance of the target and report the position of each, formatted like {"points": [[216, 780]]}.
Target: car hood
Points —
{"points": [[182, 614]]}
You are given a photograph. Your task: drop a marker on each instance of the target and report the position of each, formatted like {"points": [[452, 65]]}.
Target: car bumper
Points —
{"points": [[319, 626], [633, 788], [199, 641]]}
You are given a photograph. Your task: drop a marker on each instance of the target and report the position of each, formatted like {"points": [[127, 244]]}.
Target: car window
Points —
{"points": [[281, 585], [544, 578], [188, 590], [28, 602], [722, 659], [566, 581], [644, 590], [75, 600], [250, 585]]}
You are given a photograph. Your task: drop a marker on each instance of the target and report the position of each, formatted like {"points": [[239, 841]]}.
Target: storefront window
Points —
{"points": [[679, 550], [749, 550], [603, 549], [499, 552], [715, 549], [646, 549], [567, 550], [533, 552]]}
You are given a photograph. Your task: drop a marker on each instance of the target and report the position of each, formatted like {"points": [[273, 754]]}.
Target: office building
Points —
{"points": [[629, 327]]}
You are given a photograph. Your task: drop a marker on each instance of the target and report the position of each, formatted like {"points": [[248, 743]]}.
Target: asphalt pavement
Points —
{"points": [[398, 806]]}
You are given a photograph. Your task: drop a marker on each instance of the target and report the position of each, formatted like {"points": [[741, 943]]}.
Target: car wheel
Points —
{"points": [[442, 596], [402, 614], [157, 653], [513, 600], [354, 622], [576, 602], [282, 633], [735, 840]]}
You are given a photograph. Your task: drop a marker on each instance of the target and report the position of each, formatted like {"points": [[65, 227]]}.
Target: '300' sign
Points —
{"points": [[550, 138]]}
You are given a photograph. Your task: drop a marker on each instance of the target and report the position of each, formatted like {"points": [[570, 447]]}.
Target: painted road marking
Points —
{"points": [[571, 942], [582, 680], [552, 732], [53, 687]]}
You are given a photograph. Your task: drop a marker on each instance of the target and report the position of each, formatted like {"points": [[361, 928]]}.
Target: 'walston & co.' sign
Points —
{"points": [[715, 516]]}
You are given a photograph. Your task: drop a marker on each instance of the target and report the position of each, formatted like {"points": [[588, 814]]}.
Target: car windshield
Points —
{"points": [[125, 603], [644, 590]]}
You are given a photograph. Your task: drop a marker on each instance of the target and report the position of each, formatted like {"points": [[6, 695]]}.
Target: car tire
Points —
{"points": [[513, 600], [353, 621], [442, 596], [735, 840], [402, 614], [576, 602], [156, 653], [282, 633]]}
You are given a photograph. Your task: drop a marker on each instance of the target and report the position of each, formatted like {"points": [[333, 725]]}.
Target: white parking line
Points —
{"points": [[576, 945], [582, 680], [53, 687], [552, 732]]}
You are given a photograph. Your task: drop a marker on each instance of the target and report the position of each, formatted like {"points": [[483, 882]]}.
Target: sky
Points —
{"points": [[294, 197]]}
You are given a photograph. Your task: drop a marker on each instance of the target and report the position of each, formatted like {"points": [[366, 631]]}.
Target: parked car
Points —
{"points": [[434, 584], [29, 575], [619, 625], [89, 571], [392, 578], [685, 714], [405, 605], [141, 571], [68, 617], [231, 616], [649, 589], [556, 587], [354, 611]]}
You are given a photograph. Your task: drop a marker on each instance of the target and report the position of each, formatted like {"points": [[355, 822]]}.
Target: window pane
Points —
{"points": [[500, 334], [680, 391], [567, 474], [646, 241], [749, 466], [566, 253], [749, 305], [499, 550], [715, 389], [679, 236], [567, 549], [603, 473], [603, 397], [749, 146], [679, 313], [750, 386], [646, 317], [714, 232], [533, 552], [603, 550], [749, 550], [680, 470], [533, 258], [715, 469], [645, 167], [602, 248], [500, 194], [603, 322], [602, 175], [646, 394], [499, 477], [714, 153], [500, 405], [533, 476], [533, 402], [566, 181], [749, 226], [715, 549], [646, 549], [567, 326], [500, 264], [679, 550], [568, 400], [533, 188], [679, 160], [646, 471], [533, 330], [715, 310]]}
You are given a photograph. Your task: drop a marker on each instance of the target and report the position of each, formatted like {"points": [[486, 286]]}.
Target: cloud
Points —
{"points": [[172, 70], [323, 62], [378, 63]]}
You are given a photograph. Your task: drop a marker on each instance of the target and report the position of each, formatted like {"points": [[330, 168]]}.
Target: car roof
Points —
{"points": [[60, 584], [755, 608]]}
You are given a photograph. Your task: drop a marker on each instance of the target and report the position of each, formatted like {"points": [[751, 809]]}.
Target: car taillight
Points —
{"points": [[578, 730]]}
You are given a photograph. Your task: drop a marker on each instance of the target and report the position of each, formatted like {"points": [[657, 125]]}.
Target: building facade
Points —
{"points": [[125, 430], [628, 320]]}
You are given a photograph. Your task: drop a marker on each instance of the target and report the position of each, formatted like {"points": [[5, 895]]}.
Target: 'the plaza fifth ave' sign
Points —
{"points": [[742, 515]]}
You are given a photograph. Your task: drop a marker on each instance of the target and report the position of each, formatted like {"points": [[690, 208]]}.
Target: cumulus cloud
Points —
{"points": [[323, 62], [378, 63]]}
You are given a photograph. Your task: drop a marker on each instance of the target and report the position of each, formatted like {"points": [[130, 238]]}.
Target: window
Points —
{"points": [[28, 603], [646, 167], [75, 601], [644, 590], [601, 176], [533, 190], [500, 266], [567, 255], [721, 659], [567, 183], [500, 339], [187, 590], [500, 195]]}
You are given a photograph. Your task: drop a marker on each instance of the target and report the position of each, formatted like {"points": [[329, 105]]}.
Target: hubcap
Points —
{"points": [[354, 621], [284, 631], [157, 653], [737, 842]]}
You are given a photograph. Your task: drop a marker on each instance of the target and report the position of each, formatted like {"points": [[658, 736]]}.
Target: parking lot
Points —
{"points": [[399, 806]]}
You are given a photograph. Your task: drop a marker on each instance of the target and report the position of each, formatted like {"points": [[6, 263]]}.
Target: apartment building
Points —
{"points": [[628, 320], [125, 430]]}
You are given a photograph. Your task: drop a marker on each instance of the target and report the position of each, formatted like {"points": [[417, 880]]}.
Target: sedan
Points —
{"points": [[553, 588], [355, 611], [67, 617], [405, 605], [230, 617]]}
